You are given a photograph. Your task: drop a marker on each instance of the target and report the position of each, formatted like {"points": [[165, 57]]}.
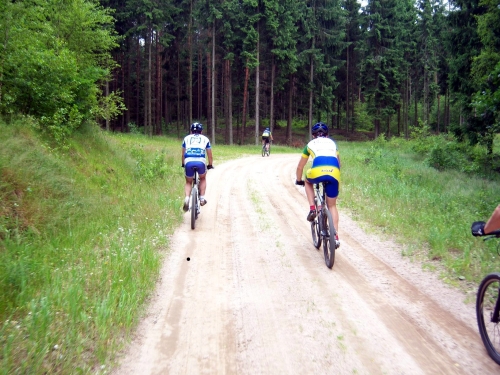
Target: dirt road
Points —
{"points": [[256, 297]]}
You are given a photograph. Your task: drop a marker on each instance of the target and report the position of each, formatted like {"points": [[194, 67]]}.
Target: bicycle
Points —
{"points": [[488, 309], [322, 228], [266, 151], [194, 199]]}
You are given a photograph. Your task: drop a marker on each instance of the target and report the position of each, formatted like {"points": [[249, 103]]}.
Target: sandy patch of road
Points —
{"points": [[257, 298]]}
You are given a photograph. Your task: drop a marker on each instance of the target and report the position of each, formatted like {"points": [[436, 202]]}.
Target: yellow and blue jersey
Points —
{"points": [[325, 163]]}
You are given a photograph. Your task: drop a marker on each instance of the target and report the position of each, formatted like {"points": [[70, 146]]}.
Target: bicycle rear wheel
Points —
{"points": [[488, 296], [328, 238], [263, 150], [316, 235], [194, 206]]}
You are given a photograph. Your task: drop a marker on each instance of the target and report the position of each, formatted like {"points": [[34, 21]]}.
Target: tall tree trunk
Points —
{"points": [[416, 106], [158, 83], [289, 119], [138, 76], [230, 102], [178, 89], [190, 64], [213, 84], [347, 91], [226, 100], [200, 84], [126, 91], [147, 109], [271, 114], [257, 92], [311, 81], [209, 96], [438, 113], [245, 98], [107, 94]]}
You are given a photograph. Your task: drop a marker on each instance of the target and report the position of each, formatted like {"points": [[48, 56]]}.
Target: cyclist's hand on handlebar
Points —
{"points": [[210, 166], [301, 183], [477, 228]]}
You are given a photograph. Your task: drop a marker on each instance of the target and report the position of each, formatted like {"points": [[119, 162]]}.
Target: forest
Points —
{"points": [[387, 66]]}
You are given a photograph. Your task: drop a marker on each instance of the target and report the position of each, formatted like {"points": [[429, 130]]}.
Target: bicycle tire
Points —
{"points": [[263, 150], [194, 206], [316, 234], [328, 238], [489, 331]]}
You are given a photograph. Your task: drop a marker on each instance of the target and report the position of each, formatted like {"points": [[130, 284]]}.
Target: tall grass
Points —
{"points": [[82, 238], [430, 211]]}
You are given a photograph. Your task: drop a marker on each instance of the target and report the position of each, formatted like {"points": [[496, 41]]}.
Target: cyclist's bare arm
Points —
{"points": [[210, 158], [493, 222], [300, 167]]}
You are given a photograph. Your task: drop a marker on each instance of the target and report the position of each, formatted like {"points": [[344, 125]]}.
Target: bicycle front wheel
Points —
{"points": [[487, 303], [316, 235], [194, 207], [328, 232]]}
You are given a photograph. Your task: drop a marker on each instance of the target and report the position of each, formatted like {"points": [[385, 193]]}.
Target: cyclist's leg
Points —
{"points": [[189, 174], [308, 185], [332, 192], [202, 173], [332, 207]]}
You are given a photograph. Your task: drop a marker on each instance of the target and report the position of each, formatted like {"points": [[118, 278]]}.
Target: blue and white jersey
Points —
{"points": [[195, 146]]}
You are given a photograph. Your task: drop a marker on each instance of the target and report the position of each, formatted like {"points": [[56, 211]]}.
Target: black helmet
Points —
{"points": [[320, 129], [196, 127]]}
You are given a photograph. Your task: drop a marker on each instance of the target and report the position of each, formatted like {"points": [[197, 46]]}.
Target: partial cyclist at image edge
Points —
{"points": [[481, 228], [325, 168], [488, 296], [266, 138], [195, 148]]}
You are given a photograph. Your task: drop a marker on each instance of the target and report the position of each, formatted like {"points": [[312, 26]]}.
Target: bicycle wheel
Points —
{"points": [[316, 235], [194, 206], [488, 296], [328, 238], [268, 151], [263, 150]]}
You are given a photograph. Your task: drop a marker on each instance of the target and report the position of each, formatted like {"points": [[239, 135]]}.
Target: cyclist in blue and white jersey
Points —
{"points": [[195, 148], [325, 167]]}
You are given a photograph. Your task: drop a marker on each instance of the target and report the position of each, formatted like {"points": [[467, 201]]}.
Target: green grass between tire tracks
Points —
{"points": [[83, 232]]}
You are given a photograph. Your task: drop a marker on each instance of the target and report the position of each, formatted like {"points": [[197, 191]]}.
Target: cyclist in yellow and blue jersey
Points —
{"points": [[266, 137], [325, 168]]}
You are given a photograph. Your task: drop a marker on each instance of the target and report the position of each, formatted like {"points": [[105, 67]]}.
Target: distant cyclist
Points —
{"points": [[480, 228], [266, 137], [325, 168], [194, 148]]}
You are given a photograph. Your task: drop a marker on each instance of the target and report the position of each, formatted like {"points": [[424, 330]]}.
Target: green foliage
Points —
{"points": [[50, 69], [152, 169]]}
